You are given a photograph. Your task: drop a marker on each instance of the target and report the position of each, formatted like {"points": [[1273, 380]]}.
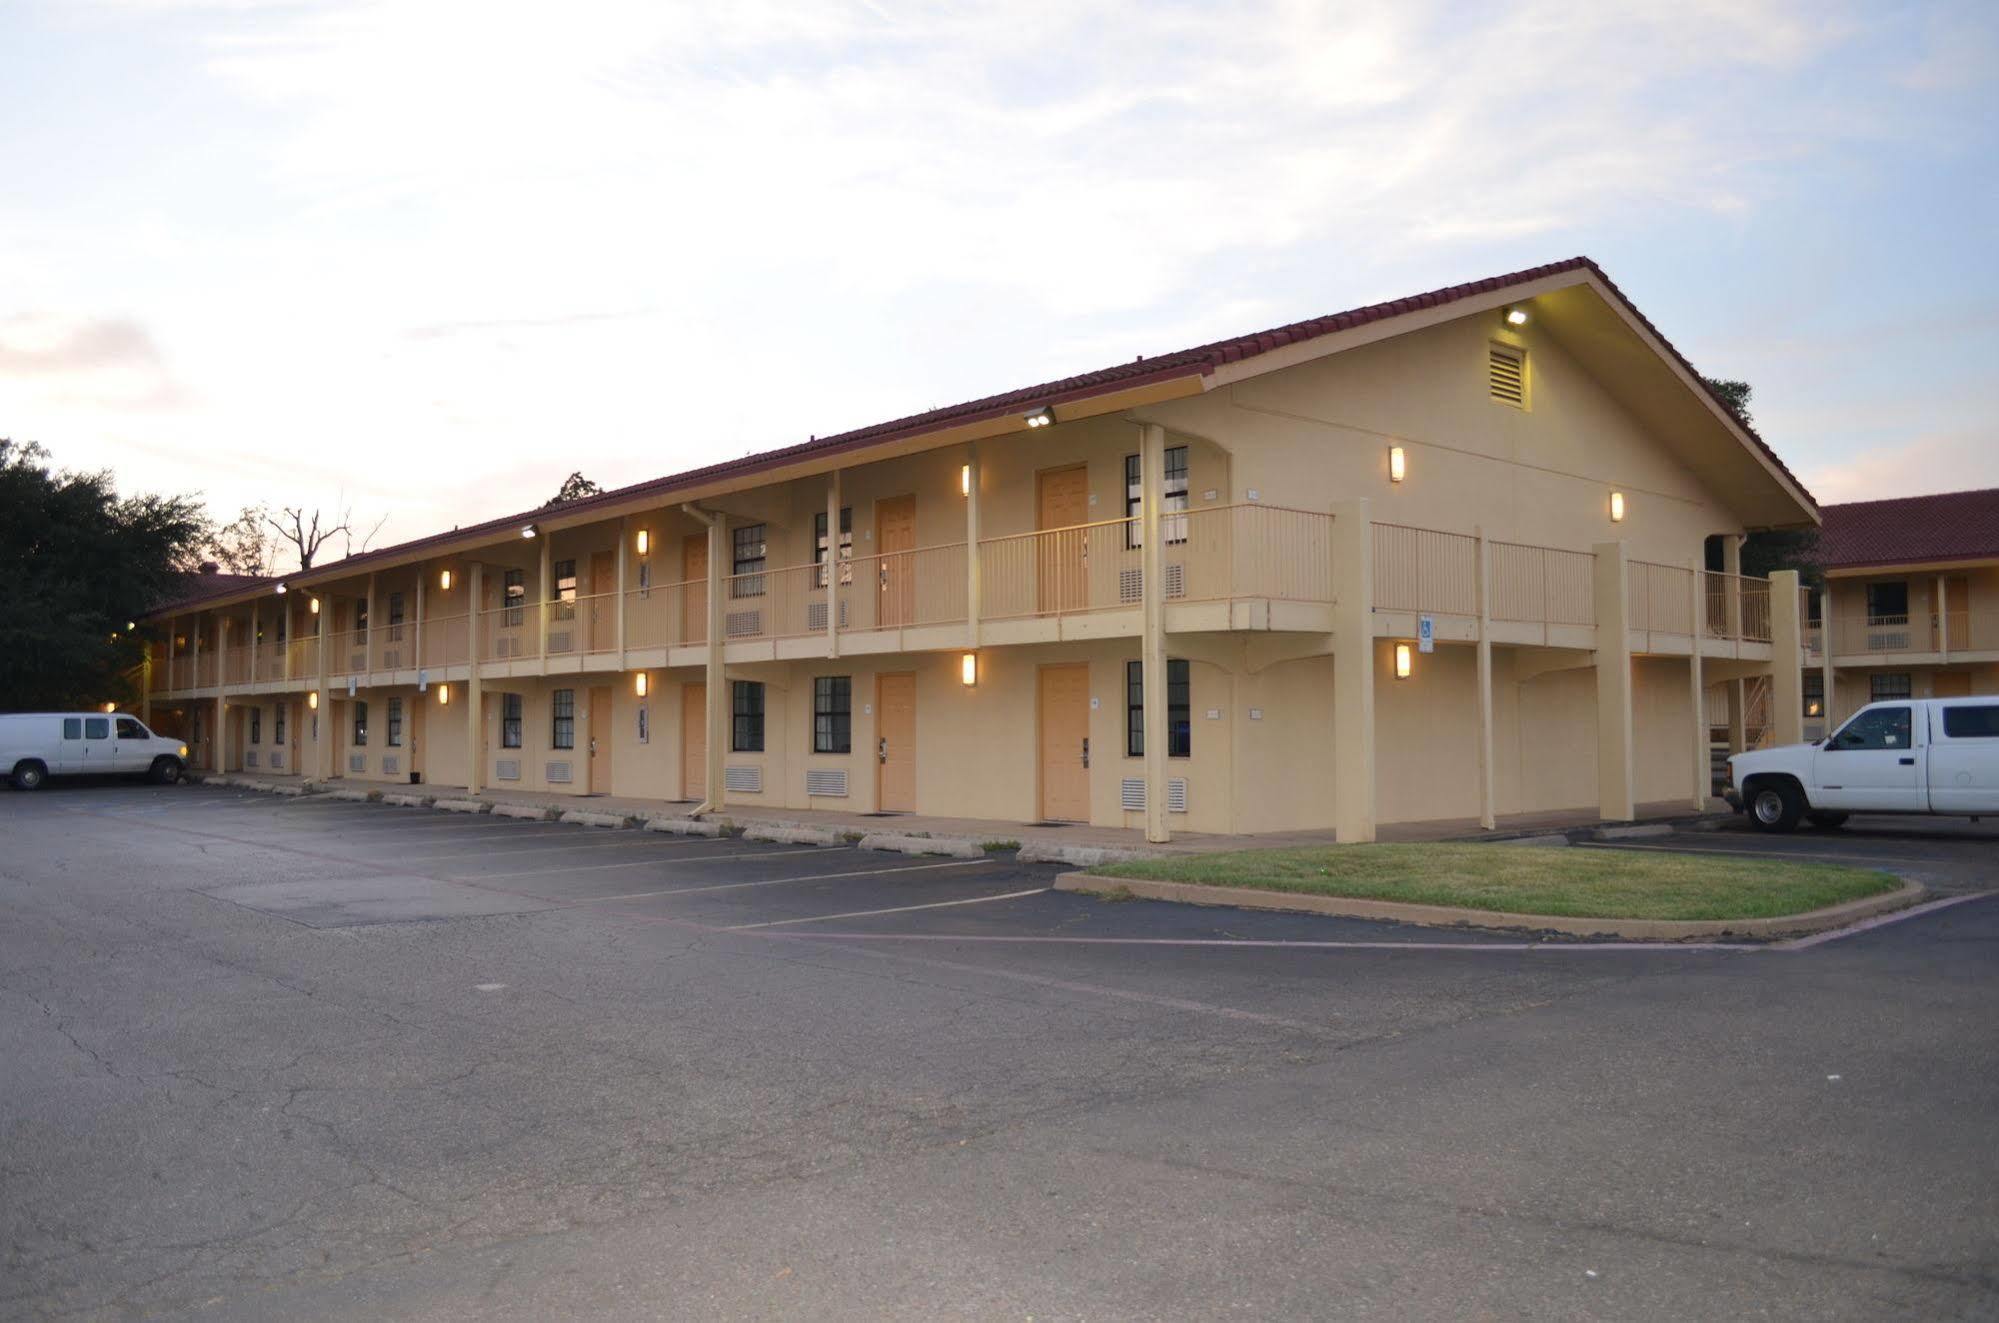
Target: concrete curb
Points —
{"points": [[592, 818], [532, 812], [783, 835], [949, 846], [409, 801], [685, 827], [1080, 856], [1445, 916], [462, 805]]}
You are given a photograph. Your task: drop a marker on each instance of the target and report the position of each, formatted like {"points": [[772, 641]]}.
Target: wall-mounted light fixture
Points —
{"points": [[1516, 316], [642, 541], [130, 626], [444, 695], [282, 589], [312, 700], [530, 530], [1041, 417], [1617, 507], [1398, 464], [110, 707], [1405, 662], [965, 480], [444, 581], [968, 668], [640, 684], [315, 606]]}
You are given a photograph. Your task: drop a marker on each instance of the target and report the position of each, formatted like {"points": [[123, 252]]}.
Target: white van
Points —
{"points": [[35, 746]]}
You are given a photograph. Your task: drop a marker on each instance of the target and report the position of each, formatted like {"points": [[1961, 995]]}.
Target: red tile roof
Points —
{"points": [[1909, 530], [1202, 360], [200, 587]]}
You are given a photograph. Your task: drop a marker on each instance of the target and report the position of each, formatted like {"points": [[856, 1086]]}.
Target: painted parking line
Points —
{"points": [[643, 863], [898, 909], [782, 881]]}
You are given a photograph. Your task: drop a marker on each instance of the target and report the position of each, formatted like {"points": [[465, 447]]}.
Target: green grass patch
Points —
{"points": [[1574, 881]]}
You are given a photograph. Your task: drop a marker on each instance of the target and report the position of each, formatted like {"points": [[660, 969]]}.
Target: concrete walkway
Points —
{"points": [[1079, 843]]}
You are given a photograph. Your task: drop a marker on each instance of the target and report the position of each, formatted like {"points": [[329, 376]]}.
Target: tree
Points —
{"points": [[1772, 548], [1735, 394], [303, 530], [574, 488], [245, 545], [85, 562]]}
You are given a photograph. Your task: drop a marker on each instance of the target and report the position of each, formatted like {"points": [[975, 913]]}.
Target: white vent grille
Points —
{"points": [[357, 762], [815, 615], [1131, 583], [506, 646], [250, 758], [560, 642], [507, 769], [277, 758], [830, 782], [559, 774], [1176, 579], [1131, 794], [743, 624], [1176, 795], [1506, 376], [392, 658], [392, 764], [358, 660], [743, 780]]}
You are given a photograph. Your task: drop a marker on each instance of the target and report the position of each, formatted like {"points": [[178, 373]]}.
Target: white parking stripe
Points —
{"points": [[899, 909], [641, 863], [783, 881]]}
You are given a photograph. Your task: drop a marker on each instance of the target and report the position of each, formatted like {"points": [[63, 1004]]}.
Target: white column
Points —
{"points": [[833, 565], [475, 699], [1152, 652], [1353, 671], [1613, 683], [1486, 815], [1703, 768], [972, 584], [717, 683]]}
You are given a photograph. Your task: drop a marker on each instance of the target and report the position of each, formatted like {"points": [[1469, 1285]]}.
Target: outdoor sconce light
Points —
{"points": [[968, 668], [529, 530], [312, 700], [315, 606], [1404, 662], [282, 589], [444, 581], [1398, 464], [444, 695], [642, 540], [130, 626], [1516, 316], [1617, 507], [640, 684], [1041, 417], [110, 707], [965, 480]]}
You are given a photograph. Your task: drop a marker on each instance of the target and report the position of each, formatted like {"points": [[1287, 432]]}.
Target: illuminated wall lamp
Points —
{"points": [[642, 541], [1617, 507], [312, 700], [530, 530], [1041, 417], [1405, 661], [444, 581], [315, 606], [965, 480], [1516, 316], [1398, 464], [1813, 709], [968, 668], [444, 695], [282, 589], [640, 684]]}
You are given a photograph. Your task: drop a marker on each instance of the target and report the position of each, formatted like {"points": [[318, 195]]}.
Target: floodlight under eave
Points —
{"points": [[530, 530], [283, 589], [1516, 317], [1041, 417]]}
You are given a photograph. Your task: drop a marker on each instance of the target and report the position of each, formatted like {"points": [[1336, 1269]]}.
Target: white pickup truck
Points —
{"points": [[1908, 755]]}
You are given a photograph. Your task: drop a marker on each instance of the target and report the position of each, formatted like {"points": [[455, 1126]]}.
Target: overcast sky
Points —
{"points": [[426, 257]]}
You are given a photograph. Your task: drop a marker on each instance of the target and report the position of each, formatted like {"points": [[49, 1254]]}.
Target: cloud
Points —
{"points": [[40, 346], [1954, 461]]}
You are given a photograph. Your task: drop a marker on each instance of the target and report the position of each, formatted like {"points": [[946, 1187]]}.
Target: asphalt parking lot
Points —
{"points": [[275, 1057]]}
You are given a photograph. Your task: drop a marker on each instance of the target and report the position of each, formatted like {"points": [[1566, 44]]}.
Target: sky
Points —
{"points": [[423, 258]]}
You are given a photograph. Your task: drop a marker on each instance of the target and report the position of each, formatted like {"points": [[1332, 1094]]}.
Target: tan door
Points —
{"points": [[1956, 620], [292, 715], [1950, 684], [895, 744], [600, 739], [603, 604], [341, 731], [895, 540], [1065, 743], [1062, 500], [694, 741], [694, 604]]}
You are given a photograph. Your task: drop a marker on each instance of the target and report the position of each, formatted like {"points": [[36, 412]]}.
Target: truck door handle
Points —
{"points": [[1907, 762]]}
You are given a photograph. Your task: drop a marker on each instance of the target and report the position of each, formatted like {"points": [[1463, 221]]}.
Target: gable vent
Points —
{"points": [[1506, 375]]}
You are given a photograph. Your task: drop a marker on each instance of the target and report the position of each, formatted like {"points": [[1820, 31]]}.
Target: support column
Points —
{"points": [[285, 614], [1943, 619], [1486, 815], [1353, 671], [1787, 652], [475, 696], [416, 630], [146, 683], [218, 743], [716, 681], [1613, 684], [972, 585], [1152, 641], [368, 636], [256, 641], [832, 564], [624, 546], [322, 743], [1738, 699], [542, 590], [1825, 653], [174, 685], [1703, 784]]}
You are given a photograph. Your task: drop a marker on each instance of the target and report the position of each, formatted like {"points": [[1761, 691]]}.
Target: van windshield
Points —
{"points": [[130, 729]]}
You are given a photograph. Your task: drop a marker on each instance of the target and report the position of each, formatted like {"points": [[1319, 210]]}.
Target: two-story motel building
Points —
{"points": [[1187, 592]]}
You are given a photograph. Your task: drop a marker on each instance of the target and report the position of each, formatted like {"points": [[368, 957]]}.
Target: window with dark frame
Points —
{"points": [[360, 725], [1814, 693], [562, 719], [1889, 686], [510, 721], [278, 716], [256, 725], [1179, 710], [832, 714], [1173, 502], [360, 613], [747, 706], [1888, 600], [395, 736], [749, 549], [514, 596], [395, 617], [565, 589], [846, 546]]}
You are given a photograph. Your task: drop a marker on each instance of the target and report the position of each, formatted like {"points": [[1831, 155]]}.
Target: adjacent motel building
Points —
{"points": [[1440, 558]]}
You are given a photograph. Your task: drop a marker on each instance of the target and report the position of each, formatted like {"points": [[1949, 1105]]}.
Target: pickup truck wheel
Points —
{"points": [[165, 770], [30, 775], [1776, 806], [1826, 821]]}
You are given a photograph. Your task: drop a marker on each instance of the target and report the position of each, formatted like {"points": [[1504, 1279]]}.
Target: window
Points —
{"points": [[1179, 710], [395, 723], [1973, 722], [565, 589], [1814, 693], [278, 715], [748, 542], [514, 592], [128, 729], [395, 617], [72, 728], [97, 728], [1876, 728], [747, 735], [1888, 686], [360, 613], [256, 725], [832, 714], [846, 546], [562, 726], [284, 618], [510, 721], [360, 725], [1506, 375], [1888, 601], [1173, 506]]}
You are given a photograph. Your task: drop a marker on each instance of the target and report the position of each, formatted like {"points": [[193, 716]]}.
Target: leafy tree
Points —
{"points": [[245, 545], [84, 563], [574, 488], [1735, 394], [1775, 548], [308, 531]]}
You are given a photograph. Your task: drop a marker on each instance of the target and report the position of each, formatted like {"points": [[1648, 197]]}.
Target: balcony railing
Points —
{"points": [[1543, 585], [446, 641], [1425, 569], [1661, 598], [1752, 593], [1954, 631]]}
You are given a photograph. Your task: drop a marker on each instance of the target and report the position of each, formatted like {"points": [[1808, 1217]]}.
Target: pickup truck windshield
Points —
{"points": [[1880, 728]]}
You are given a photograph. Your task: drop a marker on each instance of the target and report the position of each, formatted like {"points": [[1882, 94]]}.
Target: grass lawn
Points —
{"points": [[1573, 881]]}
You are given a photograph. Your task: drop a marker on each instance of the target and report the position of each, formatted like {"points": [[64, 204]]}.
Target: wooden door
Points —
{"points": [[600, 739], [694, 600], [694, 741], [1065, 743], [602, 617], [1061, 562], [1950, 684], [419, 709], [895, 543], [1954, 621], [292, 715], [340, 732], [895, 743]]}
